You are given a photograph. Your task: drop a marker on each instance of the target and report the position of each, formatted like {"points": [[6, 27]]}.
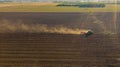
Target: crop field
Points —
{"points": [[31, 40], [51, 7]]}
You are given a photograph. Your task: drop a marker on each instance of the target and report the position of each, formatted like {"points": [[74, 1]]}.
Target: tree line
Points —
{"points": [[83, 5]]}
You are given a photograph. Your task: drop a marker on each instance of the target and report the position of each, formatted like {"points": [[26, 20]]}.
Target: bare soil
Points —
{"points": [[59, 50]]}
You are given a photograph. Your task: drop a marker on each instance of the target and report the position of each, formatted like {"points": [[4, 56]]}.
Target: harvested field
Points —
{"points": [[25, 49], [26, 4], [51, 7]]}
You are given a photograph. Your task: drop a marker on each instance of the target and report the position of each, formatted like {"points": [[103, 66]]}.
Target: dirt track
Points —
{"points": [[57, 50]]}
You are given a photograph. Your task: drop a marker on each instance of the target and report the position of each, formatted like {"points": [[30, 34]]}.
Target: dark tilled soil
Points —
{"points": [[100, 21], [57, 50]]}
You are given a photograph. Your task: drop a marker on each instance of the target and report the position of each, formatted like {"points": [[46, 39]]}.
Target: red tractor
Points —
{"points": [[88, 33]]}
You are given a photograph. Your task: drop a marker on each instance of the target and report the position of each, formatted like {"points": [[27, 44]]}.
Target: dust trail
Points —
{"points": [[94, 23], [115, 17], [9, 27]]}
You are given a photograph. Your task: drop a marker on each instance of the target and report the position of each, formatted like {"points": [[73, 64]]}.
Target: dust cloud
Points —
{"points": [[10, 27]]}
